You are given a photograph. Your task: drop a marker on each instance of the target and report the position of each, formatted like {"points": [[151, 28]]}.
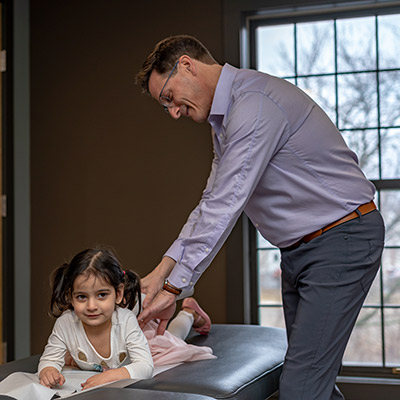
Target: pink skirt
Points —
{"points": [[169, 349]]}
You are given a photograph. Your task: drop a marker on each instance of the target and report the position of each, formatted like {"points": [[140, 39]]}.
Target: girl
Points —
{"points": [[92, 299]]}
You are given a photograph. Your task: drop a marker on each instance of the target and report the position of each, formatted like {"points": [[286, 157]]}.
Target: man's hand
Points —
{"points": [[153, 282], [51, 377], [162, 307], [110, 375]]}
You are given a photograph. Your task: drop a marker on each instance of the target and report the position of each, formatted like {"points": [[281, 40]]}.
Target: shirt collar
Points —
{"points": [[222, 96]]}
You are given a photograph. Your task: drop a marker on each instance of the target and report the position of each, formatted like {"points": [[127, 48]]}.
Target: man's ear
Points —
{"points": [[188, 64], [119, 294]]}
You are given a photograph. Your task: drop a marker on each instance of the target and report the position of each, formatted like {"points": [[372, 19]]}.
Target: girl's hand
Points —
{"points": [[110, 375], [51, 377]]}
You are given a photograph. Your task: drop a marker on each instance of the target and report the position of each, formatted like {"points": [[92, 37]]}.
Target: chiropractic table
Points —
{"points": [[248, 367]]}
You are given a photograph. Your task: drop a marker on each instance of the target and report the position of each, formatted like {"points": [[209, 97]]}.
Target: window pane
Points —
{"points": [[322, 90], [392, 337], [315, 48], [275, 50], [390, 144], [374, 294], [389, 92], [291, 80], [271, 316], [365, 345], [356, 44], [369, 121], [391, 276], [262, 242], [269, 276], [357, 101], [365, 145], [390, 200], [389, 41]]}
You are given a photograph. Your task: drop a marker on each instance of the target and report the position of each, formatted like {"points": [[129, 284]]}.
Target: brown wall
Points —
{"points": [[107, 165]]}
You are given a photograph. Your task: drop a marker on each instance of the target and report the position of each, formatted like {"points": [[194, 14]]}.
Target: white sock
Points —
{"points": [[180, 326]]}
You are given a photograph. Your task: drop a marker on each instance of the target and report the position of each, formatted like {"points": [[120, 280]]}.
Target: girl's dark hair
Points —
{"points": [[100, 263]]}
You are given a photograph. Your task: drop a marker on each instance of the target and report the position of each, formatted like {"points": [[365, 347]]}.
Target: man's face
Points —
{"points": [[181, 92]]}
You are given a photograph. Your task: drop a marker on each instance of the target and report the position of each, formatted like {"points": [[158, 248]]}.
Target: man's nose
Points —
{"points": [[174, 112]]}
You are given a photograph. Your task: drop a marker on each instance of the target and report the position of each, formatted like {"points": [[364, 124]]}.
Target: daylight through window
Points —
{"points": [[351, 67]]}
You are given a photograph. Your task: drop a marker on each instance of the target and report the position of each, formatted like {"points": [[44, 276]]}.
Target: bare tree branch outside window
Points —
{"points": [[352, 70]]}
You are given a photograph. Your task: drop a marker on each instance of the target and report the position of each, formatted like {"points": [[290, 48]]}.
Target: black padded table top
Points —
{"points": [[137, 394], [29, 364], [249, 364]]}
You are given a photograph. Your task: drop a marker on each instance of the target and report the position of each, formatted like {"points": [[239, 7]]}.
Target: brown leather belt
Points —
{"points": [[362, 210]]}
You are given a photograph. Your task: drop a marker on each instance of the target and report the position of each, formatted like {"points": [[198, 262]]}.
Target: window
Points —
{"points": [[347, 61]]}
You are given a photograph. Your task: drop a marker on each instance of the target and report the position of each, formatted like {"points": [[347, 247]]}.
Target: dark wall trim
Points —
{"points": [[235, 303], [19, 64], [8, 182]]}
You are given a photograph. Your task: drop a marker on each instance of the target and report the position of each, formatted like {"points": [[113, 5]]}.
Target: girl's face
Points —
{"points": [[94, 300]]}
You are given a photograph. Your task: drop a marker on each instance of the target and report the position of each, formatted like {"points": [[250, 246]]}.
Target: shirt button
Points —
{"points": [[221, 136], [191, 283], [184, 280], [207, 250], [256, 225]]}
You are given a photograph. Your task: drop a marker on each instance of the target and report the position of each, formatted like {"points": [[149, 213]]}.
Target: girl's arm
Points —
{"points": [[110, 375], [141, 366], [52, 360]]}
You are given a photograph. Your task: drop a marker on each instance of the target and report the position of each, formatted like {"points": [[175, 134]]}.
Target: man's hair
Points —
{"points": [[167, 52]]}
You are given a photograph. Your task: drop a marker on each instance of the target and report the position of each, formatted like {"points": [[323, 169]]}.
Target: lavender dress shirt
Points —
{"points": [[277, 157]]}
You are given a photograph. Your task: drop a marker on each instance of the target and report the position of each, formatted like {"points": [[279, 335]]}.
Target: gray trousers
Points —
{"points": [[324, 284]]}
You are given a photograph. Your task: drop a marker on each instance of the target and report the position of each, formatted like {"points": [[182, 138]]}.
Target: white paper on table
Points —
{"points": [[23, 386], [26, 386]]}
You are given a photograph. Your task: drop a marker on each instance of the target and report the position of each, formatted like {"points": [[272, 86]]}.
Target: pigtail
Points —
{"points": [[132, 291], [60, 294]]}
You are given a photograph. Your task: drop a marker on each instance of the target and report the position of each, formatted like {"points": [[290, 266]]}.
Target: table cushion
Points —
{"points": [[29, 364], [137, 394], [249, 364]]}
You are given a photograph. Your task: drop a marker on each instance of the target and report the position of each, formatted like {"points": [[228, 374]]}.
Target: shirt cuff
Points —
{"points": [[183, 279]]}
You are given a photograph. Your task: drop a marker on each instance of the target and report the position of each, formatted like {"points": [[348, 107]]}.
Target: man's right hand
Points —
{"points": [[162, 307]]}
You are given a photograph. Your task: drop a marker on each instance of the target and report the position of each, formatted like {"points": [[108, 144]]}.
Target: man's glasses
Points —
{"points": [[165, 101]]}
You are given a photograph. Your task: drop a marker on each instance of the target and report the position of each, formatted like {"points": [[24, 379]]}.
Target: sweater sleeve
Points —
{"points": [[141, 366], [54, 352]]}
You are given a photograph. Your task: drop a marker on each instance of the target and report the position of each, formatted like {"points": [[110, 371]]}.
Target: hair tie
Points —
{"points": [[123, 271]]}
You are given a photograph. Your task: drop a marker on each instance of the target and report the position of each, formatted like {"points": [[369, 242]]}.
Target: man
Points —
{"points": [[280, 159]]}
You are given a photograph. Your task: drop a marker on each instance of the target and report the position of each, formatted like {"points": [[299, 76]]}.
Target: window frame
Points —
{"points": [[242, 53]]}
